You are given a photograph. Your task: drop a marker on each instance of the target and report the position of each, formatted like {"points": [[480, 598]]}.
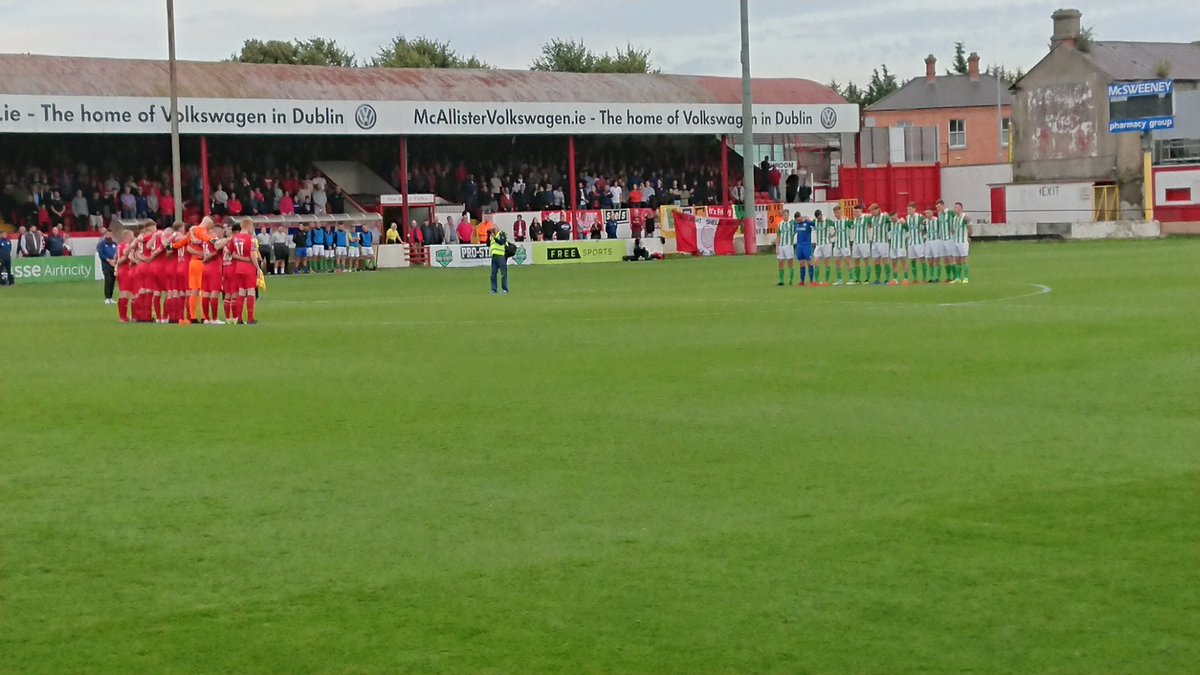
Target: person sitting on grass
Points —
{"points": [[639, 252]]}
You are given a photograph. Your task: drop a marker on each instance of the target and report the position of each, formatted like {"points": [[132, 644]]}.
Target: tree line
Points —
{"points": [[557, 55]]}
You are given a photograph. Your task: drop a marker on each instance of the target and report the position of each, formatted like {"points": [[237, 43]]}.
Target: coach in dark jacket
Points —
{"points": [[107, 250], [56, 244]]}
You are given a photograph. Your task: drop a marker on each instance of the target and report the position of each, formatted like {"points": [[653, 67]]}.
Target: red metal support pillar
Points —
{"points": [[889, 201], [573, 185], [725, 170], [404, 185], [205, 208], [859, 161], [937, 186]]}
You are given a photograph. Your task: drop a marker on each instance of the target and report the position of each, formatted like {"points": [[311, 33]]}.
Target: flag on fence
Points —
{"points": [[704, 236], [685, 233], [726, 228]]}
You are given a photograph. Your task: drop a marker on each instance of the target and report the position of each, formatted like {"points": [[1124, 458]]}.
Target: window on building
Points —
{"points": [[958, 133], [904, 125], [1177, 151], [1005, 133]]}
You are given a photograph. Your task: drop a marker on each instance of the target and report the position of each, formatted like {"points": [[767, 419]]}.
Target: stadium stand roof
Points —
{"points": [[25, 74]]}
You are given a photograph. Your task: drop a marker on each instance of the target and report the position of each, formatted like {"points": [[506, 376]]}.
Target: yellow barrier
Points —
{"points": [[1106, 203]]}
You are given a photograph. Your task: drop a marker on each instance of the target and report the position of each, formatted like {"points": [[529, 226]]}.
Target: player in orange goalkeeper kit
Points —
{"points": [[198, 246]]}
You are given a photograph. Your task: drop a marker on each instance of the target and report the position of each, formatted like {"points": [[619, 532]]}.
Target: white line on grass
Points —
{"points": [[1041, 290]]}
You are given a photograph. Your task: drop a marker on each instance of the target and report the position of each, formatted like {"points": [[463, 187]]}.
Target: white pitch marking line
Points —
{"points": [[1042, 289]]}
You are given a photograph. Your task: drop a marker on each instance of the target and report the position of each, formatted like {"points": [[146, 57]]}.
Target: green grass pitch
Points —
{"points": [[672, 467]]}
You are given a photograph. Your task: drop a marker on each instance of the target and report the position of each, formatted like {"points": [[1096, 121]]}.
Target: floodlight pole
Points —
{"points": [[748, 234], [724, 170], [176, 179]]}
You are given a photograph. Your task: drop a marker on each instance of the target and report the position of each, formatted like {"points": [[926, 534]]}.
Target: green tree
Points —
{"points": [[629, 59], [855, 95], [565, 56], [573, 56], [422, 52], [882, 83], [1008, 77], [315, 51], [959, 65], [850, 92], [1087, 37]]}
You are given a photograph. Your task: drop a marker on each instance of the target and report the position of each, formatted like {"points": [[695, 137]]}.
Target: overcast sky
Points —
{"points": [[790, 38]]}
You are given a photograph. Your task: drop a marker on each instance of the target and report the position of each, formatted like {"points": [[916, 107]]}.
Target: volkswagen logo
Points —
{"points": [[365, 117], [828, 118]]}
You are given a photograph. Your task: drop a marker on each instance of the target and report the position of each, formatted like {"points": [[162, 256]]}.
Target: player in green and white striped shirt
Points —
{"points": [[861, 238], [822, 246], [939, 233], [898, 248], [841, 243], [923, 252], [785, 250], [914, 242], [960, 241], [881, 225]]}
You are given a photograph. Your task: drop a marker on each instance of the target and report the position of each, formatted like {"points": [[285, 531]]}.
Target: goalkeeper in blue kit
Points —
{"points": [[804, 247]]}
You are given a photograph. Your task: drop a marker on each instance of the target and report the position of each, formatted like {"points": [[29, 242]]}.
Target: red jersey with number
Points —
{"points": [[162, 244], [122, 249], [242, 245], [146, 247]]}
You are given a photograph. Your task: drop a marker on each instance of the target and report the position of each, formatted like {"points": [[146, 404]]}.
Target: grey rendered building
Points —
{"points": [[1060, 111]]}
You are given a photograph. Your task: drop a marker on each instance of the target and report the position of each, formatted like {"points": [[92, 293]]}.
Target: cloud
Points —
{"points": [[789, 39]]}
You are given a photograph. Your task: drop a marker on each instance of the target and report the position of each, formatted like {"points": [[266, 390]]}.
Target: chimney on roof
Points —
{"points": [[973, 66], [1066, 27], [930, 68]]}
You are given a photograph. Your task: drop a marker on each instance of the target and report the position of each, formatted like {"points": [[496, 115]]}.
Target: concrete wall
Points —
{"points": [[1115, 230], [1049, 203], [1060, 122], [983, 132], [972, 185], [1080, 231], [1187, 114]]}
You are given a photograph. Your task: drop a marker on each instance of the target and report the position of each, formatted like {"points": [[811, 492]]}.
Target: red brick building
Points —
{"points": [[967, 110]]}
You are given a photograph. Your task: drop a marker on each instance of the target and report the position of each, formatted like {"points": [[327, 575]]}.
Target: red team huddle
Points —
{"points": [[178, 276]]}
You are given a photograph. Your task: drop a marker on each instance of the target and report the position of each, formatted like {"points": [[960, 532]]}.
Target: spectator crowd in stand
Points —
{"points": [[48, 186], [34, 196], [544, 186]]}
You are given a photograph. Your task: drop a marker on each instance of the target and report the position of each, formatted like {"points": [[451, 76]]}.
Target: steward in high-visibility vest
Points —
{"points": [[497, 243], [498, 240]]}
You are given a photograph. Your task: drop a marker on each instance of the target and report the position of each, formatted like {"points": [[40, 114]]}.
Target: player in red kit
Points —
{"points": [[163, 265], [125, 275], [210, 291], [242, 249], [144, 276], [229, 280], [178, 255]]}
